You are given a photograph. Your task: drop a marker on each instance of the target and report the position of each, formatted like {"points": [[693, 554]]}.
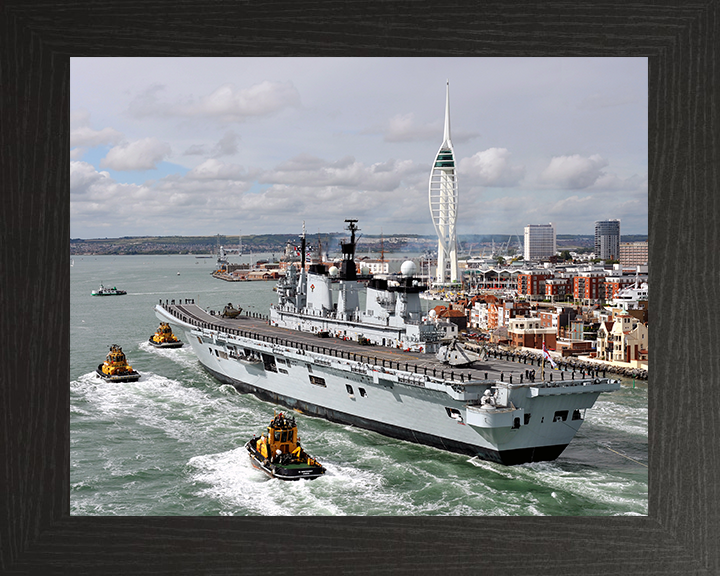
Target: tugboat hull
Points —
{"points": [[177, 344], [295, 471], [133, 376]]}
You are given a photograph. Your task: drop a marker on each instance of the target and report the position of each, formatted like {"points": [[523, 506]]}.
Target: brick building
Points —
{"points": [[532, 282], [558, 288], [589, 285], [528, 333]]}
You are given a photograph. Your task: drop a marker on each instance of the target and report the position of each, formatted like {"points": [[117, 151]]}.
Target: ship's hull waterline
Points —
{"points": [[509, 457], [388, 391]]}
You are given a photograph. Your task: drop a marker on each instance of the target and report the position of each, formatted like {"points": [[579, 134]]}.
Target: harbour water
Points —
{"points": [[172, 442]]}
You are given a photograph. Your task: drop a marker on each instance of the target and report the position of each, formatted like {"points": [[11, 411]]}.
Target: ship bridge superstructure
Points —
{"points": [[393, 313], [443, 196]]}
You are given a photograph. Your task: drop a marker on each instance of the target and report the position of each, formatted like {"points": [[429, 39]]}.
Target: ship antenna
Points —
{"points": [[302, 249], [382, 247]]}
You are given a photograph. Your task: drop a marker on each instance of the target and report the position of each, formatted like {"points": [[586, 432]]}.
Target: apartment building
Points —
{"points": [[532, 282], [607, 239], [558, 288], [589, 285]]}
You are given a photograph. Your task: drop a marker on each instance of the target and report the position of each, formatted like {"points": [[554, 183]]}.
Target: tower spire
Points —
{"points": [[443, 196], [446, 135]]}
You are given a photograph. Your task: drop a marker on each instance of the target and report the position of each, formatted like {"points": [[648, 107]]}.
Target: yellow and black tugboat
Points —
{"points": [[278, 452], [164, 337], [115, 368]]}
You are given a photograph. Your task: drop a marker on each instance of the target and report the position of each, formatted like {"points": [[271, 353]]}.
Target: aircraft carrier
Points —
{"points": [[327, 360]]}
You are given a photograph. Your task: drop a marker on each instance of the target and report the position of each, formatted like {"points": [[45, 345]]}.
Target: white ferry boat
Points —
{"points": [[400, 389]]}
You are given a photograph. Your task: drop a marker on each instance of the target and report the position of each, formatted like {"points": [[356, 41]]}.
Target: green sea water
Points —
{"points": [[172, 442]]}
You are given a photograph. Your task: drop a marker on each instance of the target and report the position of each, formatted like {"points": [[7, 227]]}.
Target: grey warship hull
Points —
{"points": [[405, 395]]}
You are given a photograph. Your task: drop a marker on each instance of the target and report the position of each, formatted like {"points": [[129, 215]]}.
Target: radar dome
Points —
{"points": [[408, 268], [432, 313], [333, 271]]}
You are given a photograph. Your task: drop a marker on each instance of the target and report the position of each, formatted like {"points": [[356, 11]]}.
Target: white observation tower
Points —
{"points": [[443, 195]]}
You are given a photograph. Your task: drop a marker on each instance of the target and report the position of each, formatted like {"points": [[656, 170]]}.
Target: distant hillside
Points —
{"points": [[469, 243]]}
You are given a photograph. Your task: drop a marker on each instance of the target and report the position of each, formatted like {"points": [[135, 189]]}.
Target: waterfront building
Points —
{"points": [[443, 196], [532, 282], [623, 340], [607, 239], [540, 242], [589, 285], [633, 253], [529, 333], [501, 279]]}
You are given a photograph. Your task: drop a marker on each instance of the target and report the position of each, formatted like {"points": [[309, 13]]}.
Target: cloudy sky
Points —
{"points": [[205, 146]]}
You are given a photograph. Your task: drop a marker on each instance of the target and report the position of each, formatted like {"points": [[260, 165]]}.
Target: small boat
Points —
{"points": [[115, 368], [279, 454], [164, 337], [108, 291]]}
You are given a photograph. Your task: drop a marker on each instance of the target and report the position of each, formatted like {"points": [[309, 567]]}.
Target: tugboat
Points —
{"points": [[108, 291], [279, 454], [164, 337], [115, 368]]}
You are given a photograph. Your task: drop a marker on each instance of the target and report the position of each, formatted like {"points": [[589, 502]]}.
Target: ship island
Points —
{"points": [[382, 368]]}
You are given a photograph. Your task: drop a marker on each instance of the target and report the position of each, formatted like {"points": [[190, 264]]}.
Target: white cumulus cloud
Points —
{"points": [[491, 168], [213, 169], [138, 155], [227, 102], [82, 134], [83, 177], [574, 172], [86, 136]]}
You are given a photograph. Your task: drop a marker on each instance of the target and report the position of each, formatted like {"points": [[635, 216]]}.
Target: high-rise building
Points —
{"points": [[443, 195], [540, 242], [607, 239]]}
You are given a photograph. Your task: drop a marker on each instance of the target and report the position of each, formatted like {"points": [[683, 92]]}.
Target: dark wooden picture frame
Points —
{"points": [[682, 531]]}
